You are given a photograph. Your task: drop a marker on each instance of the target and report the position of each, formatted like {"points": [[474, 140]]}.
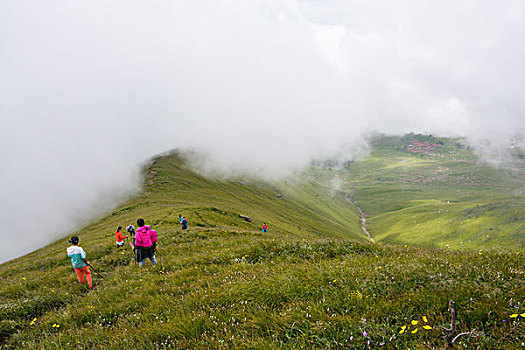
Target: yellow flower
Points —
{"points": [[402, 329], [414, 322], [425, 319], [414, 331], [334, 280], [33, 322], [522, 315], [24, 278], [427, 327], [513, 315]]}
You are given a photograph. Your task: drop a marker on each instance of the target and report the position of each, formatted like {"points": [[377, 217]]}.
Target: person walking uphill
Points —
{"points": [[119, 238], [79, 262], [145, 243]]}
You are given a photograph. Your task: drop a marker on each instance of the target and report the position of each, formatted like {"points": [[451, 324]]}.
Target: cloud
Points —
{"points": [[91, 89]]}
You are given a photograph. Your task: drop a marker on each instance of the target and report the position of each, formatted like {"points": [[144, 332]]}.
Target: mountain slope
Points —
{"points": [[443, 196], [225, 284]]}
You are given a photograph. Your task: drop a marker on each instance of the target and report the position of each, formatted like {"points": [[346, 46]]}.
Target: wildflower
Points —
{"points": [[33, 322], [414, 322], [334, 280], [405, 245], [365, 334], [427, 327], [352, 337], [414, 331], [425, 319], [513, 316], [402, 329], [522, 315]]}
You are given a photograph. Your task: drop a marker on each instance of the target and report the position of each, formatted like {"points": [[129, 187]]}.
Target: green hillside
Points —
{"points": [[440, 197], [313, 281]]}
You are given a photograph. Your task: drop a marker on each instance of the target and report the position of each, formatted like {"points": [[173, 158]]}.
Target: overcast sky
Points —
{"points": [[90, 89]]}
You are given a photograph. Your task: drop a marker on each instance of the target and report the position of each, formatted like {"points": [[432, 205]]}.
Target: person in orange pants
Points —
{"points": [[79, 262]]}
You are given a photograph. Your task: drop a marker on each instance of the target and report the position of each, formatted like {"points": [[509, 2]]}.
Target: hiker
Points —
{"points": [[119, 238], [184, 223], [264, 228], [145, 243], [79, 262], [180, 218], [131, 230]]}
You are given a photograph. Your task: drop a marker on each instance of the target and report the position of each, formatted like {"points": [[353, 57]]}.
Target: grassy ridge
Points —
{"points": [[223, 284]]}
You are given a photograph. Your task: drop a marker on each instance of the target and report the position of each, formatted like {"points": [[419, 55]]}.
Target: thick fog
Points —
{"points": [[90, 89]]}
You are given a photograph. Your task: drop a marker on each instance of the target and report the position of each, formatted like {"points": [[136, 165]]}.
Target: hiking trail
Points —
{"points": [[364, 216]]}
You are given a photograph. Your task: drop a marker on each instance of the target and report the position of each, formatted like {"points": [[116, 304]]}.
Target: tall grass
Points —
{"points": [[313, 281]]}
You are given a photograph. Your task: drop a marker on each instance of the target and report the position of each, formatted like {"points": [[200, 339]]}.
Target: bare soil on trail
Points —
{"points": [[364, 216]]}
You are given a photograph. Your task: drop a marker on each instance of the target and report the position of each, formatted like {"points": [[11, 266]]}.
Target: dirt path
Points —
{"points": [[364, 216]]}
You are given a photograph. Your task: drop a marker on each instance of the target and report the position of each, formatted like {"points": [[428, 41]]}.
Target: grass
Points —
{"points": [[223, 284], [444, 198]]}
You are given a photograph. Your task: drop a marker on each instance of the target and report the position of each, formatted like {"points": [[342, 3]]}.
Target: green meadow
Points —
{"points": [[445, 225], [447, 198]]}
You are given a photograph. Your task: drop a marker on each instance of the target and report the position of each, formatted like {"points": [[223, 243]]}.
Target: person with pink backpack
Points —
{"points": [[145, 243]]}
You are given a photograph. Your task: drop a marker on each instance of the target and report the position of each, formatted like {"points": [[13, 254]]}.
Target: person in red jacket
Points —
{"points": [[145, 243], [264, 228], [119, 238]]}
